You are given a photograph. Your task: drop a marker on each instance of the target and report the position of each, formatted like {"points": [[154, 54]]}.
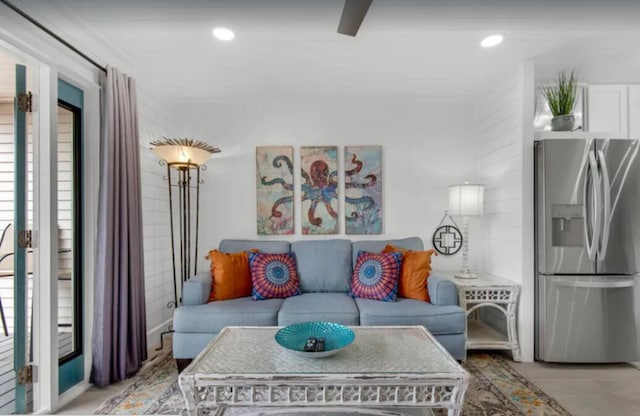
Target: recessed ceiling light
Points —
{"points": [[223, 33], [491, 41]]}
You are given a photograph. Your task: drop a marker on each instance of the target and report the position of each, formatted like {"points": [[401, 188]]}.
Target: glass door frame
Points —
{"points": [[44, 74], [71, 368], [20, 287]]}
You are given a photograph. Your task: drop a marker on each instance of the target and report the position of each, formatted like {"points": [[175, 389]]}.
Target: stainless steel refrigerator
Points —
{"points": [[587, 199]]}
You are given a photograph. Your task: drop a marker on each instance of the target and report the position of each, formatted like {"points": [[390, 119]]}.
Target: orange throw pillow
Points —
{"points": [[416, 268], [231, 277]]}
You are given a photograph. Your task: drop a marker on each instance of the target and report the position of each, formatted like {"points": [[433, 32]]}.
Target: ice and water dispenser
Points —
{"points": [[567, 225]]}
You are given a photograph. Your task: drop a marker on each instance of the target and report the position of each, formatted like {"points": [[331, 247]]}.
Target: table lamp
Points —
{"points": [[466, 200]]}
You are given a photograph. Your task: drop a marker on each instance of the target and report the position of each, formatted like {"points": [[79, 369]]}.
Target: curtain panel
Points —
{"points": [[119, 343]]}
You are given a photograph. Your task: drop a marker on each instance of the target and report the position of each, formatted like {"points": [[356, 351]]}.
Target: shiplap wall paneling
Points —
{"points": [[499, 160], [500, 169], [155, 217], [505, 166]]}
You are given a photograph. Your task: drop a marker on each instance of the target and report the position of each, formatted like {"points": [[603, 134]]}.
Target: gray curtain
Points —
{"points": [[119, 329]]}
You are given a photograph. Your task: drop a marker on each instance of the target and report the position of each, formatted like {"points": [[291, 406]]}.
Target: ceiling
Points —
{"points": [[290, 47]]}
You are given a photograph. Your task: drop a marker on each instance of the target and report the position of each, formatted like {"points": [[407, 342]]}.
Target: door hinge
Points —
{"points": [[26, 374], [25, 239], [25, 101]]}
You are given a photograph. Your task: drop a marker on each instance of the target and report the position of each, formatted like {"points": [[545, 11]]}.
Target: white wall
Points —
{"points": [[428, 144], [595, 62], [505, 165]]}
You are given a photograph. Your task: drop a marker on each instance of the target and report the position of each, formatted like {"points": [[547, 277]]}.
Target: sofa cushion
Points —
{"points": [[332, 307], [265, 246], [376, 246], [323, 265], [231, 275], [213, 316], [416, 267], [273, 275], [376, 275], [437, 319]]}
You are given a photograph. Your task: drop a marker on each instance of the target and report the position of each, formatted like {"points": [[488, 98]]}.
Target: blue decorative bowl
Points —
{"points": [[294, 337]]}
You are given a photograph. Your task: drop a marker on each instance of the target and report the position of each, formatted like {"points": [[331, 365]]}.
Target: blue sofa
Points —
{"points": [[324, 269]]}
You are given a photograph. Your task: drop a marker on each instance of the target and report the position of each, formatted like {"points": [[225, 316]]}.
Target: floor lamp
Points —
{"points": [[183, 158], [466, 200]]}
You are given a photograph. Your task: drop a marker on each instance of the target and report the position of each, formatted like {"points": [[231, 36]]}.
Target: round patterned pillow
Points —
{"points": [[273, 275], [376, 276]]}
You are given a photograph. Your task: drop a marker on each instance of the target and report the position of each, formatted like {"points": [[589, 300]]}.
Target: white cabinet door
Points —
{"points": [[607, 109], [634, 111]]}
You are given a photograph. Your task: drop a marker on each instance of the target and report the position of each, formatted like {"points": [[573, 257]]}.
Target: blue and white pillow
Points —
{"points": [[273, 275], [376, 275]]}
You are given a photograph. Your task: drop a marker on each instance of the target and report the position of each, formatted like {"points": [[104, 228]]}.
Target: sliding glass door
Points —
{"points": [[70, 236], [46, 274]]}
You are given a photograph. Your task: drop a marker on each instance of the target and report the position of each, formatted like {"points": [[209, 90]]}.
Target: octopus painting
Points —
{"points": [[274, 190], [363, 189], [319, 170]]}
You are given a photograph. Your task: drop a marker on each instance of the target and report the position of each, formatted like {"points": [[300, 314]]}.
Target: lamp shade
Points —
{"points": [[466, 200], [183, 152]]}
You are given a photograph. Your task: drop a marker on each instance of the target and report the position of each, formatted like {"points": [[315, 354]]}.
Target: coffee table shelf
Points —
{"points": [[385, 367]]}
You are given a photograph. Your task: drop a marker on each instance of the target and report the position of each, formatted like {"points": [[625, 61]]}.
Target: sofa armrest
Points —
{"points": [[196, 290], [442, 291]]}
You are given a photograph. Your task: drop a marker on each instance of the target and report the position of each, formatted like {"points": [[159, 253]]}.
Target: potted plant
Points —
{"points": [[561, 98]]}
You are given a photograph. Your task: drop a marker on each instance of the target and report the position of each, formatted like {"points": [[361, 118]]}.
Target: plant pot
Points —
{"points": [[563, 123]]}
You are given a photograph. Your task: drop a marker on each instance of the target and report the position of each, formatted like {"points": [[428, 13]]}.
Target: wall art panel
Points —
{"points": [[274, 190], [363, 189], [319, 186]]}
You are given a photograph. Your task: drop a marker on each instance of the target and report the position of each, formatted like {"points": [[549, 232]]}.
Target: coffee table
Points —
{"points": [[386, 367]]}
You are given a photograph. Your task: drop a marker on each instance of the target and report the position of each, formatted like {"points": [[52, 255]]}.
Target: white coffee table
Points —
{"points": [[387, 367]]}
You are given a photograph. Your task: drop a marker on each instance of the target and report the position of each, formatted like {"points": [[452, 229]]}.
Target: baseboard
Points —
{"points": [[69, 395], [153, 336]]}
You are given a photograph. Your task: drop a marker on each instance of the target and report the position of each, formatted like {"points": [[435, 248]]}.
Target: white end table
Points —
{"points": [[487, 291]]}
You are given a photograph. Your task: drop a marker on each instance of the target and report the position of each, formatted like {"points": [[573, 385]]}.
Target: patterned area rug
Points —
{"points": [[496, 389]]}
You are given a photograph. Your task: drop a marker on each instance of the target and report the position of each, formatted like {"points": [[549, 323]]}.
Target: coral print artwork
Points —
{"points": [[274, 190], [319, 186], [363, 189]]}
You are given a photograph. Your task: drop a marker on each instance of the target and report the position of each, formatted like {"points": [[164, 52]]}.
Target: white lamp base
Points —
{"points": [[466, 272], [465, 275]]}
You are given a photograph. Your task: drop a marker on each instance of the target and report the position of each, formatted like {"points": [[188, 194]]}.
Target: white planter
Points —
{"points": [[563, 123]]}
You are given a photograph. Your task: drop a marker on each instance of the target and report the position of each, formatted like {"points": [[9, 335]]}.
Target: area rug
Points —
{"points": [[496, 389]]}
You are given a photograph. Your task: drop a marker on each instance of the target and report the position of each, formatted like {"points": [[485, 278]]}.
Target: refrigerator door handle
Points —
{"points": [[617, 284], [591, 205], [605, 206]]}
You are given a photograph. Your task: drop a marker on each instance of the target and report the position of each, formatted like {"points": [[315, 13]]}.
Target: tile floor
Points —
{"points": [[94, 396], [584, 390], [588, 390]]}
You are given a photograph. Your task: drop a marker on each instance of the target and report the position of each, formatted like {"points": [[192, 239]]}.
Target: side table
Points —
{"points": [[487, 291]]}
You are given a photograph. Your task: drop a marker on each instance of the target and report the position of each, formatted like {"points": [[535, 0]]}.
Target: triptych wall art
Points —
{"points": [[319, 191]]}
